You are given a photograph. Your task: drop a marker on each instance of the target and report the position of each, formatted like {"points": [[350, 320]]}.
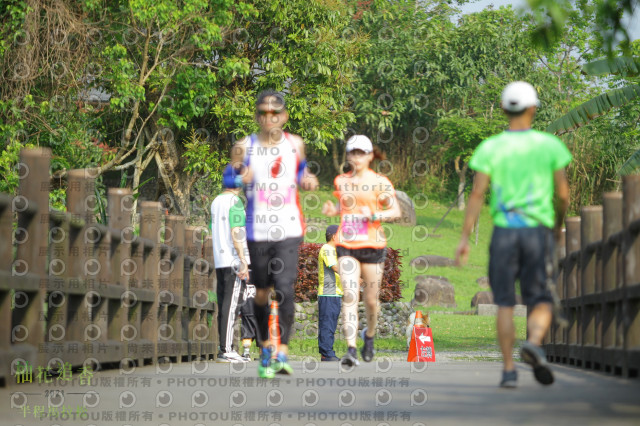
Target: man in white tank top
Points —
{"points": [[271, 166]]}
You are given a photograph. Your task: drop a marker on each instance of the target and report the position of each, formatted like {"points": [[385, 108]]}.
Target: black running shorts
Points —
{"points": [[363, 255], [519, 253]]}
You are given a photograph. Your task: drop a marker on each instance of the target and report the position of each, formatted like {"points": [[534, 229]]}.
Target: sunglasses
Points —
{"points": [[270, 111]]}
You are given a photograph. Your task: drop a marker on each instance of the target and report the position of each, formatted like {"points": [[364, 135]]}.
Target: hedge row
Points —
{"points": [[306, 287]]}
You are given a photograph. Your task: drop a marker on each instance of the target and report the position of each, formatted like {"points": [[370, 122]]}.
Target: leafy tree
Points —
{"points": [[553, 18], [477, 72], [557, 76], [463, 134], [9, 158], [162, 68], [201, 65], [399, 80], [599, 148], [625, 71], [143, 51], [421, 67], [625, 67], [43, 54], [602, 145]]}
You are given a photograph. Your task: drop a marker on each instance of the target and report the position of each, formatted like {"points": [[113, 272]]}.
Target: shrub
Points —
{"points": [[306, 286]]}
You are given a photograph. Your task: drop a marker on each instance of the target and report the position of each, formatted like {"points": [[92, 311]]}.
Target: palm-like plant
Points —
{"points": [[626, 67]]}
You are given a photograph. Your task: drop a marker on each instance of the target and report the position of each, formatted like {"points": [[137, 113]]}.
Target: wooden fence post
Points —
{"points": [[202, 333], [590, 232], [30, 266], [590, 235], [558, 334], [611, 309], [190, 310], [211, 286], [6, 259], [80, 204], [174, 238], [631, 250], [119, 211], [571, 281], [59, 276], [102, 279], [149, 295], [165, 296]]}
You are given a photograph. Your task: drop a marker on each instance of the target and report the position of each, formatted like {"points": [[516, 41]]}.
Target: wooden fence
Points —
{"points": [[599, 284], [73, 290]]}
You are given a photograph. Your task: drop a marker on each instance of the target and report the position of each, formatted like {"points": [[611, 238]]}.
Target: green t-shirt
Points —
{"points": [[237, 216], [521, 166]]}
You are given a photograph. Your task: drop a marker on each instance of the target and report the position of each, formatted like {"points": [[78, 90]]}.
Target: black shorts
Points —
{"points": [[520, 253], [364, 255], [274, 263]]}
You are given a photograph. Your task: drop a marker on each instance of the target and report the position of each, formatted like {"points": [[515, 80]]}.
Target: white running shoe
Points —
{"points": [[232, 356], [246, 355]]}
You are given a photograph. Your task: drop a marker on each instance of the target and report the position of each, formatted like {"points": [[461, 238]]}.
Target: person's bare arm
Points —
{"points": [[237, 159], [239, 236], [329, 208], [476, 199], [392, 210], [560, 199], [309, 181], [237, 153]]}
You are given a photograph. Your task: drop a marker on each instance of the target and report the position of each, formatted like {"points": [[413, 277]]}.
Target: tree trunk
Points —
{"points": [[462, 179], [338, 159], [171, 169], [177, 188]]}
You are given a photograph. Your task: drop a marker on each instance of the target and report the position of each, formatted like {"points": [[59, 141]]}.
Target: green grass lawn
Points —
{"points": [[410, 242], [469, 332], [451, 333]]}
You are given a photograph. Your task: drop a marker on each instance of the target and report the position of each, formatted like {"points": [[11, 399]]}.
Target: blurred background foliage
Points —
{"points": [[141, 89]]}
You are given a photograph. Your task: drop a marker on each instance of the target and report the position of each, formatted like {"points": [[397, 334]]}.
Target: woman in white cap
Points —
{"points": [[365, 199]]}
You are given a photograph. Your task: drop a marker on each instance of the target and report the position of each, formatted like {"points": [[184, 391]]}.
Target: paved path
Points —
{"points": [[386, 392]]}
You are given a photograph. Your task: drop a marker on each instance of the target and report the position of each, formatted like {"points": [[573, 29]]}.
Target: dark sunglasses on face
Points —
{"points": [[270, 111]]}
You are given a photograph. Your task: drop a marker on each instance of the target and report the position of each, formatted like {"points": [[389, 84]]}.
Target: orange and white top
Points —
{"points": [[359, 199]]}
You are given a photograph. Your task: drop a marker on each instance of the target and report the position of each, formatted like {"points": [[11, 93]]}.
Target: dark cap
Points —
{"points": [[271, 93], [331, 231]]}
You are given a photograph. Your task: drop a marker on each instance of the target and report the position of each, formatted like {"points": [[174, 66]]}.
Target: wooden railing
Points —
{"points": [[75, 291], [599, 284]]}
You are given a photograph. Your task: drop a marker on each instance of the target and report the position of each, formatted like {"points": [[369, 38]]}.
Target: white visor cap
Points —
{"points": [[518, 96], [360, 142]]}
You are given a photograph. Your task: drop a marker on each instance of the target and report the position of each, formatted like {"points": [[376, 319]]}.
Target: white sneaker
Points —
{"points": [[232, 356], [246, 355]]}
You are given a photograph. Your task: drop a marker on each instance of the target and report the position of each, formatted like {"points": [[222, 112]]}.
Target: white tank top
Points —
{"points": [[273, 206], [224, 252]]}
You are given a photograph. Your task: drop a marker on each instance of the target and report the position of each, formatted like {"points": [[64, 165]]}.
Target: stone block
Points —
{"points": [[434, 291], [407, 209], [483, 282], [492, 310]]}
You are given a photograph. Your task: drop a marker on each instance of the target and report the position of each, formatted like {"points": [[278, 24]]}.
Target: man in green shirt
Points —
{"points": [[529, 198]]}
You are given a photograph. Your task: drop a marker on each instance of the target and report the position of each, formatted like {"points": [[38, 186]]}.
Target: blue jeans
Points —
{"points": [[328, 313]]}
